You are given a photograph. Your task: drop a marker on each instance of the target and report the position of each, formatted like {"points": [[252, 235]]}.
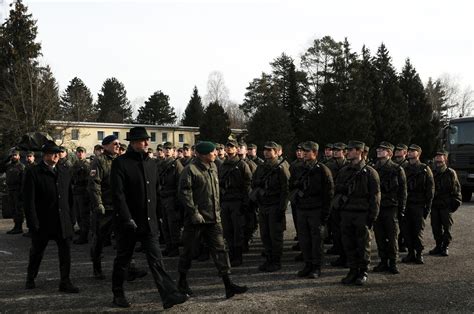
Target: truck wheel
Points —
{"points": [[466, 195]]}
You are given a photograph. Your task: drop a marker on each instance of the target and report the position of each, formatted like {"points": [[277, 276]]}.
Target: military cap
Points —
{"points": [[356, 145], [168, 145], [243, 144], [63, 149], [219, 146], [109, 139], [279, 146], [415, 147], [205, 147], [50, 147], [14, 152], [442, 151], [339, 146], [270, 145], [193, 147], [300, 145], [232, 143], [159, 147], [81, 149], [401, 147], [329, 145], [252, 146], [386, 145], [150, 150], [98, 146], [186, 146], [310, 145], [137, 133], [123, 146], [30, 153]]}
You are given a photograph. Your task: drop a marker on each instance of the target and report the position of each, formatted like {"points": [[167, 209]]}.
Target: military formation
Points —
{"points": [[208, 201]]}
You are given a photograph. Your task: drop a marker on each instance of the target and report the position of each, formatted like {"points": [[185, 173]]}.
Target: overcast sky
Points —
{"points": [[173, 45]]}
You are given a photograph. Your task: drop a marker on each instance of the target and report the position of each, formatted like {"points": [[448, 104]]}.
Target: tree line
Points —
{"points": [[331, 94]]}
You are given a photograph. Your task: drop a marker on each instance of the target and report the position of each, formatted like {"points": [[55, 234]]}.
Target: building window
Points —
{"points": [[100, 135], [74, 134], [153, 136], [117, 134], [181, 138], [164, 137]]}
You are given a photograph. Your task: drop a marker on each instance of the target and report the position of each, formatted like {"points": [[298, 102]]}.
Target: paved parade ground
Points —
{"points": [[442, 284]]}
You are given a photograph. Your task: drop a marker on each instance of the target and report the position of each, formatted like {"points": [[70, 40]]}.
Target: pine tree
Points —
{"points": [[194, 111], [28, 91], [260, 92], [156, 110], [215, 124], [77, 103], [113, 104]]}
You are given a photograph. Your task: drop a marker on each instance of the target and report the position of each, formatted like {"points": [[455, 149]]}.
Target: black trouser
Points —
{"points": [[82, 210], [272, 225], [212, 235], [126, 240], [102, 229], [14, 198], [337, 234], [39, 241], [251, 223], [386, 232], [414, 225], [310, 233], [233, 223], [171, 221], [356, 239], [294, 214], [441, 223]]}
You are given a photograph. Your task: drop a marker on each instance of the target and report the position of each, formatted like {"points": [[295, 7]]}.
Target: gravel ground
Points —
{"points": [[442, 284]]}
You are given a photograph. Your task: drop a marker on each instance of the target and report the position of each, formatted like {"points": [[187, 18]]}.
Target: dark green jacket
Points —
{"points": [[14, 175], [447, 189], [420, 185], [335, 165], [80, 176], [169, 171], [274, 182], [99, 186], [234, 179], [393, 185], [361, 186], [198, 191]]}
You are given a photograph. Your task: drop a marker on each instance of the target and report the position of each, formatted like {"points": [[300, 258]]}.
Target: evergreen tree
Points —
{"points": [[436, 97], [113, 104], [156, 110], [260, 92], [194, 111], [77, 103], [215, 124], [419, 109], [389, 108], [28, 92]]}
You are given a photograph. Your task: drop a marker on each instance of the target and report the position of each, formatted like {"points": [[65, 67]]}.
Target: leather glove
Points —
{"points": [[197, 219], [100, 209], [130, 225], [426, 212]]}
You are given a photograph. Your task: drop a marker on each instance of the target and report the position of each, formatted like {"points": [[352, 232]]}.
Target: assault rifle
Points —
{"points": [[258, 190]]}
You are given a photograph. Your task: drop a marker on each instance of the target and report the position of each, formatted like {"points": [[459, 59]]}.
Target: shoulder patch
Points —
{"points": [[93, 173]]}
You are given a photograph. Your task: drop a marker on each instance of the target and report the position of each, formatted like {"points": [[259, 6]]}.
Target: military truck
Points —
{"points": [[458, 140]]}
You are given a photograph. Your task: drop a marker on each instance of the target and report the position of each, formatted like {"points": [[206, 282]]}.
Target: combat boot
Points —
{"points": [[275, 265], [350, 277], [231, 288], [237, 258], [315, 272], [183, 285], [392, 267], [305, 271], [264, 266], [134, 272], [444, 251], [17, 229], [410, 258], [174, 299], [382, 266], [436, 250], [362, 277], [419, 258], [120, 300], [68, 287], [30, 283]]}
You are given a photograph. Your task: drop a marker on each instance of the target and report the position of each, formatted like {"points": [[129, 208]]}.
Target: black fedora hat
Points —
{"points": [[137, 133], [50, 147]]}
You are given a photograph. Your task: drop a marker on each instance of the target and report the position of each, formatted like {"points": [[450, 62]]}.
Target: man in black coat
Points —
{"points": [[49, 216], [134, 183]]}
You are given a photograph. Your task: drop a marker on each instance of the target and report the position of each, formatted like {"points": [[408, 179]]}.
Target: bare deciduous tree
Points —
{"points": [[216, 89]]}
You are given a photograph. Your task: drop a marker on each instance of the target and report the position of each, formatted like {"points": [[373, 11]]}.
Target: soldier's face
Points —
{"points": [[81, 155], [160, 154], [338, 153], [440, 160], [180, 154], [168, 152], [400, 153], [208, 158], [221, 152], [328, 152], [243, 151], [300, 153], [269, 153], [353, 154], [62, 155], [383, 153], [16, 157], [252, 152], [413, 154], [30, 159], [231, 150], [51, 159], [310, 155]]}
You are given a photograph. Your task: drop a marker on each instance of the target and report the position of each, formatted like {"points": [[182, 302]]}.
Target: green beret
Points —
{"points": [[205, 148], [339, 146], [310, 146], [81, 149], [415, 147], [270, 145], [386, 145], [401, 147], [168, 145], [356, 144], [252, 146]]}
